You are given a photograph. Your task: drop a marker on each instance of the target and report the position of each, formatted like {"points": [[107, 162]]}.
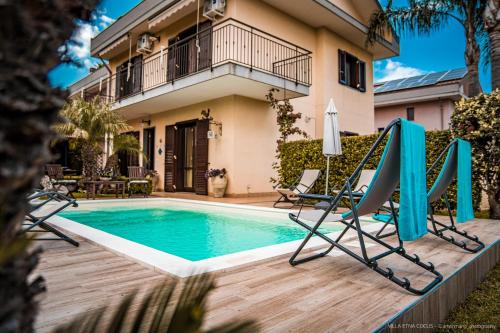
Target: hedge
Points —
{"points": [[295, 156]]}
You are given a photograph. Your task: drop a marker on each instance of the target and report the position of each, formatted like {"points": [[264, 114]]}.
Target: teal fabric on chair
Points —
{"points": [[465, 211], [383, 218], [413, 192]]}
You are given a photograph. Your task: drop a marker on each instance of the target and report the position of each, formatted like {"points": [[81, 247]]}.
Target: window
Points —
{"points": [[352, 71], [410, 114]]}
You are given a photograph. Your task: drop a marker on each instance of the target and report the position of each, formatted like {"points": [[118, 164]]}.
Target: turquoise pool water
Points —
{"points": [[193, 233]]}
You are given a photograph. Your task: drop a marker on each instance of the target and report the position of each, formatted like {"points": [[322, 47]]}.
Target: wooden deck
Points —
{"points": [[331, 294]]}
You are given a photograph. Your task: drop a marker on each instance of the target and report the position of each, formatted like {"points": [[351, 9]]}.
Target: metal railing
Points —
{"points": [[230, 41]]}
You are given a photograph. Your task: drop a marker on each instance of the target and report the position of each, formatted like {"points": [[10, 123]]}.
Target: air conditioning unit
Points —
{"points": [[145, 43], [214, 8]]}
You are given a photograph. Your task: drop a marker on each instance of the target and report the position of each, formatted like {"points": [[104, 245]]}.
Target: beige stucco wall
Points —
{"points": [[433, 115], [247, 146]]}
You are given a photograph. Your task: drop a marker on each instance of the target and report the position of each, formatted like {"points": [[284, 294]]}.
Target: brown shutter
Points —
{"points": [[171, 59], [342, 67], [201, 158], [170, 159], [136, 74], [361, 76], [205, 41]]}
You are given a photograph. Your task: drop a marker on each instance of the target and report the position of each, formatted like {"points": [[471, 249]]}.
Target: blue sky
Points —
{"points": [[441, 51]]}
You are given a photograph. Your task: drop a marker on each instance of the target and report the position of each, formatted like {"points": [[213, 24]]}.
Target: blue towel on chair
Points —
{"points": [[465, 212], [413, 192]]}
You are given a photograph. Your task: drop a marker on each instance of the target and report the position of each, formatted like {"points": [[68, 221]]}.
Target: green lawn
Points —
{"points": [[480, 309]]}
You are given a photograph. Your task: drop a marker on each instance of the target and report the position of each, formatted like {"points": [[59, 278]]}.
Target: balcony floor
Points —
{"points": [[224, 80]]}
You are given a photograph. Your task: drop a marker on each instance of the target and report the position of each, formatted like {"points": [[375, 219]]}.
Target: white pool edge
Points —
{"points": [[178, 266]]}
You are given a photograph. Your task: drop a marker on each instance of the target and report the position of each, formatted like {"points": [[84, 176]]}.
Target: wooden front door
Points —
{"points": [[186, 157]]}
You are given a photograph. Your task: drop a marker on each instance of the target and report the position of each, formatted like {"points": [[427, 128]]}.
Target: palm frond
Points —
{"points": [[90, 120], [127, 143], [419, 17], [170, 307]]}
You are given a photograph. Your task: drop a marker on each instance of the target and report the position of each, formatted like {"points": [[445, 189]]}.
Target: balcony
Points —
{"points": [[230, 58]]}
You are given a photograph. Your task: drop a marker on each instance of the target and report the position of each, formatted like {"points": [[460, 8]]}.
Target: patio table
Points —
{"points": [[92, 186]]}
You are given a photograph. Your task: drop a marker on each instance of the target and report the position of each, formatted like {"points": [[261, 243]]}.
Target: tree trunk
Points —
{"points": [[30, 33], [495, 57], [472, 56], [491, 18], [494, 203]]}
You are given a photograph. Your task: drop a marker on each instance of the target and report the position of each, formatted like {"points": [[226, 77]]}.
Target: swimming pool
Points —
{"points": [[184, 237], [193, 232]]}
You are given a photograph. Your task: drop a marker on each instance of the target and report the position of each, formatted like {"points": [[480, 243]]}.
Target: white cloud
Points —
{"points": [[85, 31], [387, 70]]}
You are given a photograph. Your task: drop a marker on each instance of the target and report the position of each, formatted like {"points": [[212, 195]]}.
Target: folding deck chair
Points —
{"points": [[303, 184], [40, 211], [439, 190], [136, 176], [380, 190]]}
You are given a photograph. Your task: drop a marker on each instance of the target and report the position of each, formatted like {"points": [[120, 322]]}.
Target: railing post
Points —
{"points": [[296, 66], [143, 73], [251, 49]]}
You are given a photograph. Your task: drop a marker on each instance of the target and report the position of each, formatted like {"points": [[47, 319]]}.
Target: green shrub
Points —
{"points": [[296, 156], [477, 119]]}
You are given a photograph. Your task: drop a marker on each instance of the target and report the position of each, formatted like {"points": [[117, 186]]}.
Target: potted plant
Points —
{"points": [[155, 178], [218, 179]]}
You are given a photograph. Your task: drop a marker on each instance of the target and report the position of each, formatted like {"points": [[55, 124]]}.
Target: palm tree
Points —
{"points": [[122, 143], [491, 18], [425, 16], [29, 106], [91, 122]]}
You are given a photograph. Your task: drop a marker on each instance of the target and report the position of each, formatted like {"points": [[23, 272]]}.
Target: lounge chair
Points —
{"points": [[44, 205], [439, 190], [390, 173], [364, 180], [303, 184], [56, 175], [451, 168], [136, 176]]}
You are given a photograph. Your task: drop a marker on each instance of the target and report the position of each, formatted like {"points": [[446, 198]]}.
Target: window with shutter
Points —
{"points": [[352, 71], [410, 114]]}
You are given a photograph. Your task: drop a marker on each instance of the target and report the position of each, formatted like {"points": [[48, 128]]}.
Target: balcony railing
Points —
{"points": [[230, 41]]}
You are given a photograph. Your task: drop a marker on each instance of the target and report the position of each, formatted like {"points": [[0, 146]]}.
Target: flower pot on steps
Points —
{"points": [[219, 184]]}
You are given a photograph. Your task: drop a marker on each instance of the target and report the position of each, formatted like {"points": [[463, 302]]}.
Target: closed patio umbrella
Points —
{"points": [[331, 137]]}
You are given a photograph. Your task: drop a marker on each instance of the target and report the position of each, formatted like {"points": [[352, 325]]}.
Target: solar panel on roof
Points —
{"points": [[454, 74], [421, 80], [414, 84]]}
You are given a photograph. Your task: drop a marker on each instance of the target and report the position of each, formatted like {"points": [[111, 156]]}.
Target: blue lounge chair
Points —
{"points": [[449, 171], [456, 165], [390, 173]]}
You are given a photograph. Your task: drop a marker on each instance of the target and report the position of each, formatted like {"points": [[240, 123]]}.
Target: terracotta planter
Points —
{"points": [[219, 184]]}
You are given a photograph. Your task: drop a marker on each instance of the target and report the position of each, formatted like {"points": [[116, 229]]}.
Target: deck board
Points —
{"points": [[334, 293]]}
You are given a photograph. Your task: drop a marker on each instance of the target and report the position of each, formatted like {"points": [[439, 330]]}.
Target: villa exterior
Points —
{"points": [[167, 61], [427, 99]]}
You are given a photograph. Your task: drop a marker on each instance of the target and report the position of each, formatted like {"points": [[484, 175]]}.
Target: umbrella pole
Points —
{"points": [[327, 173]]}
